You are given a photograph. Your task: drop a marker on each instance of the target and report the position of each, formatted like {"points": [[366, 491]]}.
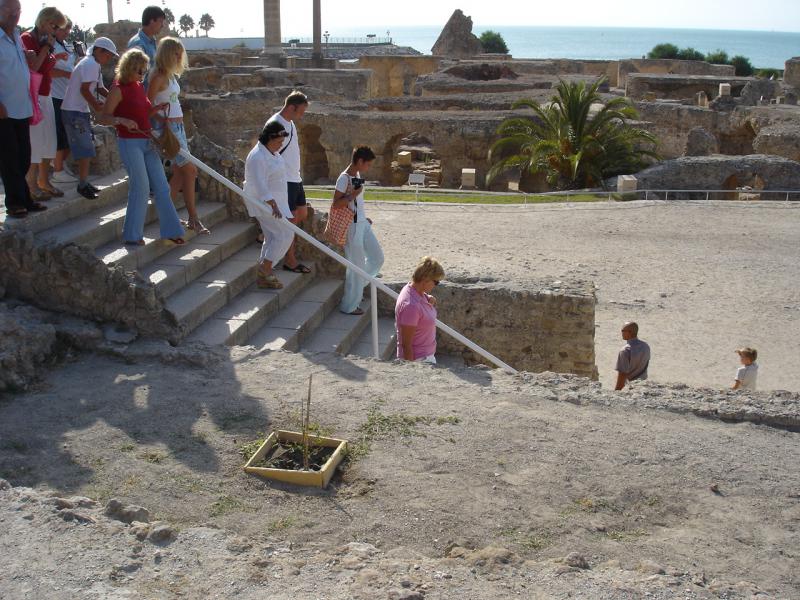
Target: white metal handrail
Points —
{"points": [[375, 284]]}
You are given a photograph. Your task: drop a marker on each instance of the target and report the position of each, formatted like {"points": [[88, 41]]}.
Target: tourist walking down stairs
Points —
{"points": [[415, 313]]}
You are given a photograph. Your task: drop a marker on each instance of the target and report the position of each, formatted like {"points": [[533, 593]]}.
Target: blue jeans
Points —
{"points": [[146, 172], [363, 250]]}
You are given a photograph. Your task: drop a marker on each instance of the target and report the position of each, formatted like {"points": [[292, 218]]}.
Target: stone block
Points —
{"points": [[650, 97], [701, 99], [724, 89], [404, 158], [626, 184], [791, 74], [468, 179]]}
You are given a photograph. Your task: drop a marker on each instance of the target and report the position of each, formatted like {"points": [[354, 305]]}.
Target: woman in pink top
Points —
{"points": [[415, 313]]}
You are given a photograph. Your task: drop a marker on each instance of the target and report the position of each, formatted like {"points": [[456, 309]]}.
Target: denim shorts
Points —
{"points": [[79, 133], [180, 133]]}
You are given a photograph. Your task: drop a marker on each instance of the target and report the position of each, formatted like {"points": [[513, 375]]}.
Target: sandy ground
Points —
{"points": [[700, 278], [517, 472]]}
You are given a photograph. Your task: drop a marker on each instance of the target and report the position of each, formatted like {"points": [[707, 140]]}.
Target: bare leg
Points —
{"points": [[31, 176], [44, 178], [61, 156], [83, 170], [298, 216]]}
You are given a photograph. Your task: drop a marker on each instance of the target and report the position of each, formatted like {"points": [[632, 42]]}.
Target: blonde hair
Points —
{"points": [[49, 14], [129, 63], [748, 352], [166, 60], [428, 269]]}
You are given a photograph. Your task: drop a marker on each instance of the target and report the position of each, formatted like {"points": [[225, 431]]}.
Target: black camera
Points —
{"points": [[357, 182]]}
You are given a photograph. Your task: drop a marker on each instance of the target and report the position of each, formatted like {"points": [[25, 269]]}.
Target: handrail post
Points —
{"points": [[373, 295]]}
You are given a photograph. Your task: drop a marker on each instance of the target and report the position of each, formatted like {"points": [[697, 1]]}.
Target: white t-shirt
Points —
{"points": [[59, 86], [341, 186], [291, 154], [88, 70], [265, 178], [747, 375]]}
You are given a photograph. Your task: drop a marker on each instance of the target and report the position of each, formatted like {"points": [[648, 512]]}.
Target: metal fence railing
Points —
{"points": [[375, 284]]}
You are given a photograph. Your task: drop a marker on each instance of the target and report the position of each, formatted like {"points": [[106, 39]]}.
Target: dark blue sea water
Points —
{"points": [[763, 48]]}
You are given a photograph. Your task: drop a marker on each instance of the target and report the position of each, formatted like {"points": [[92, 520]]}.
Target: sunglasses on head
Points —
{"points": [[282, 134]]}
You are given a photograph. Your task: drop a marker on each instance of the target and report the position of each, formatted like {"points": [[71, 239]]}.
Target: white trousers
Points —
{"points": [[43, 134], [277, 237], [363, 250]]}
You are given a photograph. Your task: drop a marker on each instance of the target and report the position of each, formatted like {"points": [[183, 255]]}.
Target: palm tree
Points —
{"points": [[186, 24], [206, 23], [574, 148]]}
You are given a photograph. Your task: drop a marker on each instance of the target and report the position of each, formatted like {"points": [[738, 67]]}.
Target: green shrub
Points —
{"points": [[718, 57], [493, 43], [664, 51], [690, 54], [742, 66]]}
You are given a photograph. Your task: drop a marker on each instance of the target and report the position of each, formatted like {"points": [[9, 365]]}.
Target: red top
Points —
{"points": [[30, 42], [135, 105]]}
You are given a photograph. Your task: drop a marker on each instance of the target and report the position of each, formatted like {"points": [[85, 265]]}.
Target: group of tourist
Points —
{"points": [[50, 92], [274, 187]]}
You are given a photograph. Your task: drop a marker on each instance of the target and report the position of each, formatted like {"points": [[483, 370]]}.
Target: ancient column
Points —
{"points": [[110, 11], [272, 27], [316, 55]]}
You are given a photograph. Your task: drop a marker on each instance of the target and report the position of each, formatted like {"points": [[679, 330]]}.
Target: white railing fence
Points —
{"points": [[375, 284]]}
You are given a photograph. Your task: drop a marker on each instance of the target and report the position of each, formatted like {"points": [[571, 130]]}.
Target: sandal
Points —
{"points": [[17, 213], [178, 241], [53, 191], [134, 242], [268, 281], [36, 207], [196, 226], [355, 313], [40, 195], [298, 268]]}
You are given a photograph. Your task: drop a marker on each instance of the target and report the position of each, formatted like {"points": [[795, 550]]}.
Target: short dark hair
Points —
{"points": [[270, 130], [296, 98], [364, 153], [152, 13]]}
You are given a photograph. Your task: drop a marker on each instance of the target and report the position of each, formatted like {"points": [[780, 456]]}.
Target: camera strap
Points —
{"points": [[291, 135]]}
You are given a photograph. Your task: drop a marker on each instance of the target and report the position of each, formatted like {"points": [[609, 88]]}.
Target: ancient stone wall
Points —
{"points": [[394, 76], [791, 73], [680, 87], [667, 66], [72, 280], [546, 328], [672, 123]]}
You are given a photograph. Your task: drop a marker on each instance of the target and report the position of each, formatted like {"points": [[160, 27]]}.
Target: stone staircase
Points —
{"points": [[208, 283]]}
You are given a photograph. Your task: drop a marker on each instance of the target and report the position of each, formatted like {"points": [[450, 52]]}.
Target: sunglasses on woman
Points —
{"points": [[282, 134]]}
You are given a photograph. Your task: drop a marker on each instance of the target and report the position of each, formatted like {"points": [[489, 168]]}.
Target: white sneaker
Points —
{"points": [[63, 177]]}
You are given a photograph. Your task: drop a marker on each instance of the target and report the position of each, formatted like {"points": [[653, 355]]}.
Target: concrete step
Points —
{"points": [[387, 340], [295, 323], [137, 257], [338, 332], [98, 227], [179, 267], [113, 190], [246, 313]]}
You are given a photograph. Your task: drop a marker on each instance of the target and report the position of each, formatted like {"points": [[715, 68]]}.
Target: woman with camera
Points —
{"points": [[362, 247]]}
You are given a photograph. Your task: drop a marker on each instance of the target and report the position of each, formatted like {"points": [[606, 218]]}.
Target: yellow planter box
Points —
{"points": [[309, 478]]}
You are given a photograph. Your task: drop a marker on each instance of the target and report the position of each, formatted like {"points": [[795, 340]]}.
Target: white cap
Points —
{"points": [[105, 44]]}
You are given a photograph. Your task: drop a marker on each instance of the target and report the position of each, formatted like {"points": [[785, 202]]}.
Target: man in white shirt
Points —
{"points": [[294, 107]]}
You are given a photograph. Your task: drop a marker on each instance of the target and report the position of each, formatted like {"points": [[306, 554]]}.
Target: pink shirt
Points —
{"points": [[415, 310]]}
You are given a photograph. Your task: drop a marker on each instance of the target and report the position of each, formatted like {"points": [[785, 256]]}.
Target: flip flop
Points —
{"points": [[178, 241], [356, 312], [134, 243], [298, 268]]}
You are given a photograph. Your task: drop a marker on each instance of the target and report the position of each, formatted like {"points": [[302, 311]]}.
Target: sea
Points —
{"points": [[765, 49]]}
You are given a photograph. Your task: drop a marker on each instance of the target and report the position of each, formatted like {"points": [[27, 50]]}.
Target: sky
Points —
{"points": [[244, 18]]}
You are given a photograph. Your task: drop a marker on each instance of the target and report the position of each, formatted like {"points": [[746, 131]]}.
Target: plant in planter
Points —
{"points": [[298, 457]]}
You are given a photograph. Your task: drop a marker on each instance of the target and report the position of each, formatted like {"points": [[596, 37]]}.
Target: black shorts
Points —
{"points": [[61, 133], [297, 195]]}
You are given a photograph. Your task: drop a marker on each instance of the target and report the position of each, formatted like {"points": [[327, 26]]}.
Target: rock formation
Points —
{"points": [[457, 39]]}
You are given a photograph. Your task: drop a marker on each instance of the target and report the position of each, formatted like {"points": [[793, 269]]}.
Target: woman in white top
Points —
{"points": [[61, 73], [163, 88], [267, 200]]}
